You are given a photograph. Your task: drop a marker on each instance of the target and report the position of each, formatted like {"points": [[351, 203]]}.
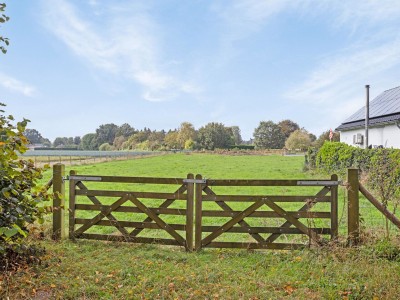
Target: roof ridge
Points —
{"points": [[392, 89]]}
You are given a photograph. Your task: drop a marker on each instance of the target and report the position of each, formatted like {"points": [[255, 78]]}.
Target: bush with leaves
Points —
{"points": [[384, 178], [21, 198]]}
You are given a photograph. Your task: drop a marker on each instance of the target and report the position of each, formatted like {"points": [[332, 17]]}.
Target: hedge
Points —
{"points": [[336, 157]]}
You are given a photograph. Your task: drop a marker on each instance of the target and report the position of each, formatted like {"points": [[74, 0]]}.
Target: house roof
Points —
{"points": [[384, 109]]}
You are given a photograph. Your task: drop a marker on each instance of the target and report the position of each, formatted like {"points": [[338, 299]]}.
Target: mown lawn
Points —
{"points": [[105, 270]]}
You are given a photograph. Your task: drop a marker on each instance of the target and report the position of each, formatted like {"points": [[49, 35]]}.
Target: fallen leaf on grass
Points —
{"points": [[289, 289]]}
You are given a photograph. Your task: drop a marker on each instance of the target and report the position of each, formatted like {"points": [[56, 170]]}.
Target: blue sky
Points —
{"points": [[75, 64]]}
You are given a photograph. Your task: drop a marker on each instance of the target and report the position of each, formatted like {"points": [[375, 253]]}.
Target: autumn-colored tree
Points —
{"points": [[186, 132], [298, 140], [287, 127], [119, 141], [171, 140]]}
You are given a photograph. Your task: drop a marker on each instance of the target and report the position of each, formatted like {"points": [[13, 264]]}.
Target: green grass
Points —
{"points": [[106, 270], [211, 167], [97, 270]]}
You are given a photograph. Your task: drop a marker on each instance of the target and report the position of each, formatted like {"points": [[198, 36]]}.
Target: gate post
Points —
{"points": [[199, 213], [58, 231], [334, 209], [189, 213], [72, 198], [353, 223]]}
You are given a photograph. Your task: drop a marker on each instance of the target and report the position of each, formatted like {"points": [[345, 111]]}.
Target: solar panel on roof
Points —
{"points": [[386, 103]]}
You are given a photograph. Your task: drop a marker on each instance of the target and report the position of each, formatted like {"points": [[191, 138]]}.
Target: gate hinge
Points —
{"points": [[65, 178], [201, 181]]}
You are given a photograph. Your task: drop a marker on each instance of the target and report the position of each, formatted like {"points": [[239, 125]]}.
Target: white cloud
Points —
{"points": [[124, 42], [335, 84], [346, 70], [15, 85]]}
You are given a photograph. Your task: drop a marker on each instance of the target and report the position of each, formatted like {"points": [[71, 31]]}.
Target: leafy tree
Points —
{"points": [[384, 178], [33, 136], [312, 136], [119, 141], [106, 133], [77, 140], [3, 18], [138, 138], [325, 137], [287, 127], [268, 135], [186, 132], [156, 140], [299, 139], [190, 144], [106, 147], [125, 130], [67, 142], [215, 135], [171, 140], [237, 137], [89, 142], [21, 197], [58, 141]]}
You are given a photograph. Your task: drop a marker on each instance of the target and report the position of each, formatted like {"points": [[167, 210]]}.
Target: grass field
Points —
{"points": [[105, 270]]}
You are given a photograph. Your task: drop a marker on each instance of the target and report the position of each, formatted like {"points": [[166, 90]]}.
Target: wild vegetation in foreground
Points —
{"points": [[105, 270], [99, 270]]}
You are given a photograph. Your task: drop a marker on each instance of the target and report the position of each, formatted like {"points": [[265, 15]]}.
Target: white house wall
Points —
{"points": [[387, 136]]}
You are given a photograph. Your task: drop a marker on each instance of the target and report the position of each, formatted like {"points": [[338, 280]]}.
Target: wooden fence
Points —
{"points": [[131, 202], [291, 223], [196, 200], [118, 208]]}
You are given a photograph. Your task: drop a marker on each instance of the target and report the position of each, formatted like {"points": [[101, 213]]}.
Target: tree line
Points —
{"points": [[268, 135]]}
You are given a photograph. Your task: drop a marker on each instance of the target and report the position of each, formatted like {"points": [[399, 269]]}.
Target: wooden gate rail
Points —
{"points": [[152, 220], [204, 193]]}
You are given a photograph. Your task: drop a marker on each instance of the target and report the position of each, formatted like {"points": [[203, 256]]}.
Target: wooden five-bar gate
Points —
{"points": [[197, 213]]}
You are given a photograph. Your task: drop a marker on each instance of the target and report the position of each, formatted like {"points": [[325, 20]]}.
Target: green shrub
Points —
{"points": [[21, 198], [106, 147], [242, 147]]}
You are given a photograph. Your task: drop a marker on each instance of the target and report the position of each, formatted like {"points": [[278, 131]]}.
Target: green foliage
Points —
{"points": [[189, 144], [185, 132], [243, 147], [237, 137], [21, 197], [384, 177], [171, 140], [106, 147], [287, 127], [125, 130], [298, 140], [34, 137], [3, 18], [215, 135], [325, 137], [89, 142], [106, 133], [268, 135], [335, 157]]}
